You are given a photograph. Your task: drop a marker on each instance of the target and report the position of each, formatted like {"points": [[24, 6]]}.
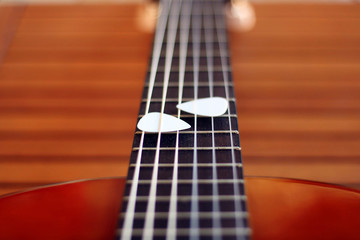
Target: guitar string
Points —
{"points": [[196, 37], [158, 41], [220, 32], [170, 43], [209, 31], [184, 38]]}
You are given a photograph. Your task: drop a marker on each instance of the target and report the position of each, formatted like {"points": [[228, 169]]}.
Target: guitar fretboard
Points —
{"points": [[187, 184]]}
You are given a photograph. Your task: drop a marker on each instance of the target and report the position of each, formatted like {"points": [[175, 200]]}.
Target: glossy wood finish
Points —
{"points": [[279, 209], [292, 209], [85, 210], [71, 81]]}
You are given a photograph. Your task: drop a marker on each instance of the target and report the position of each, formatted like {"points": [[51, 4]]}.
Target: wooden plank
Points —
{"points": [[70, 93], [80, 40], [327, 171], [296, 40], [89, 11], [9, 20], [81, 25], [341, 73], [71, 147], [76, 55], [307, 10], [50, 123], [298, 55], [80, 72], [305, 25]]}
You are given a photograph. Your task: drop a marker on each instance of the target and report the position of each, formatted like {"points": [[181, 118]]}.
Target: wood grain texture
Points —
{"points": [[9, 20], [71, 82]]}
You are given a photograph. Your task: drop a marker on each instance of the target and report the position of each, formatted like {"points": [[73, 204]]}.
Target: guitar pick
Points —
{"points": [[151, 123], [210, 107]]}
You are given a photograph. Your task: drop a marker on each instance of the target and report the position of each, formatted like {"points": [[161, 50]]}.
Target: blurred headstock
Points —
{"points": [[240, 15]]}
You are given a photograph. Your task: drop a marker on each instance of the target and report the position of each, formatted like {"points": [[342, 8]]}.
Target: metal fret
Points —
{"points": [[188, 198], [190, 54], [174, 100], [221, 41], [190, 181], [187, 84], [206, 232], [187, 148], [199, 116], [186, 165], [203, 215], [198, 132], [191, 69], [193, 28]]}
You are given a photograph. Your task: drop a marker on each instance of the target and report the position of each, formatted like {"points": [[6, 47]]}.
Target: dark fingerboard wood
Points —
{"points": [[212, 205]]}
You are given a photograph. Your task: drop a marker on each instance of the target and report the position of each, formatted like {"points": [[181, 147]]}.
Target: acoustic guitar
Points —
{"points": [[185, 178]]}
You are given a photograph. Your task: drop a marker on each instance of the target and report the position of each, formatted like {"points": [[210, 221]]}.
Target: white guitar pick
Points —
{"points": [[151, 123], [210, 107]]}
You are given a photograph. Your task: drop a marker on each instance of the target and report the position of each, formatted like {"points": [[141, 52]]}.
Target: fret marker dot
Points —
{"points": [[209, 107], [151, 123]]}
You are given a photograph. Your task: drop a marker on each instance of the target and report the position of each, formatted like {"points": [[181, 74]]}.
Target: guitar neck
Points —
{"points": [[187, 184]]}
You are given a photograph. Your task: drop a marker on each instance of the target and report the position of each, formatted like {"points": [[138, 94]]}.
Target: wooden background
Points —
{"points": [[71, 78]]}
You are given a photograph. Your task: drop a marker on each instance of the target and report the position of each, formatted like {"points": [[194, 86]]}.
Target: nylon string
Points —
{"points": [[208, 26], [159, 37], [221, 33], [184, 37], [170, 43], [196, 38]]}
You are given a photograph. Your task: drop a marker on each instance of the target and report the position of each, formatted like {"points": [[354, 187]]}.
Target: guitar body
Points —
{"points": [[87, 210]]}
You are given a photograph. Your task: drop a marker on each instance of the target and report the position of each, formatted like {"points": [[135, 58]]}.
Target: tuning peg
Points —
{"points": [[240, 15]]}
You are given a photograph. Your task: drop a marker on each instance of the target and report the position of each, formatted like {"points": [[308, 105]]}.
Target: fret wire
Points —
{"points": [[199, 132], [187, 165], [187, 84], [198, 116], [204, 27], [200, 69], [159, 37], [222, 41], [171, 35], [191, 197], [238, 208], [206, 232], [188, 148], [216, 53], [202, 54], [174, 100], [171, 109], [190, 181], [202, 215]]}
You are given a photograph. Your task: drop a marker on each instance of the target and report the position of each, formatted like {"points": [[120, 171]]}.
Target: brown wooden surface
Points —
{"points": [[71, 79]]}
